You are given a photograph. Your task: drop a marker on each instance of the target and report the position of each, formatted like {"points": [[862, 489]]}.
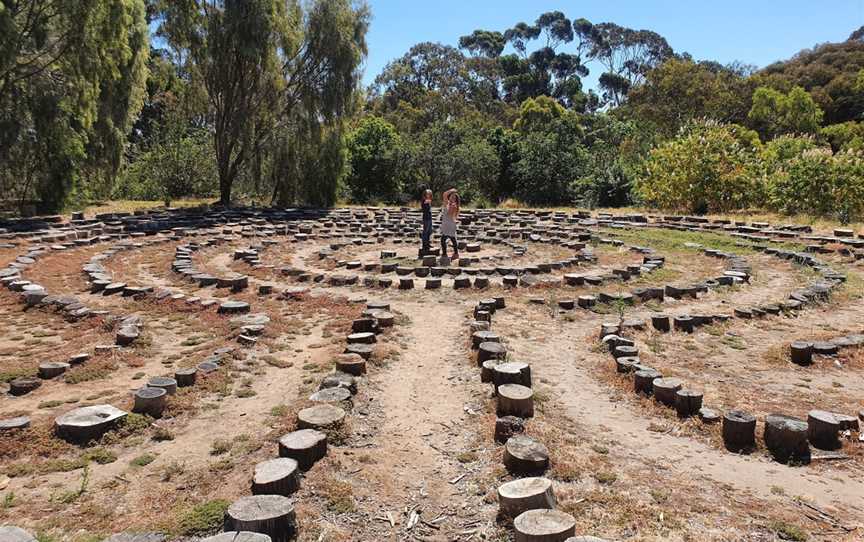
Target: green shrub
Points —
{"points": [[203, 518]]}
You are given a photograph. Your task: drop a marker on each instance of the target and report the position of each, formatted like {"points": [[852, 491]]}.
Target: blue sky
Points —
{"points": [[755, 32]]}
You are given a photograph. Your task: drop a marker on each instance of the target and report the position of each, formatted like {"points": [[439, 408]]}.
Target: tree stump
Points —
{"points": [[320, 417], [515, 400], [168, 384], [52, 369], [185, 376], [479, 337], [150, 401], [524, 455], [265, 289], [566, 304], [825, 348], [626, 364], [507, 426], [462, 281], [378, 306], [272, 515], [481, 281], [78, 359], [18, 422], [709, 415], [625, 351], [363, 350], [305, 446], [87, 423], [571, 279], [510, 280], [525, 494], [126, 335], [665, 390], [384, 319], [362, 338], [544, 526], [233, 307], [801, 352], [660, 322], [339, 379], [23, 385], [786, 438], [487, 368], [823, 429], [514, 372], [643, 380], [352, 364], [364, 325], [234, 536], [688, 402], [500, 302], [11, 533], [491, 350], [739, 430], [276, 477], [331, 396], [406, 283], [684, 323]]}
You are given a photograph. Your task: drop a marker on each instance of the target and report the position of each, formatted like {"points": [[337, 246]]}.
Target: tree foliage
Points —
{"points": [[378, 161], [774, 113]]}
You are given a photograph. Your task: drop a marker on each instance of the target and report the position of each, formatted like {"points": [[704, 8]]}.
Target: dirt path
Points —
{"points": [[565, 359]]}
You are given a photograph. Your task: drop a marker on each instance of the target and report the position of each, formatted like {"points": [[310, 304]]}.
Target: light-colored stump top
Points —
{"points": [[331, 395], [514, 391], [543, 522], [302, 439], [527, 448], [242, 536], [90, 416], [19, 422], [274, 470], [524, 486], [11, 533], [321, 415], [260, 508], [512, 367]]}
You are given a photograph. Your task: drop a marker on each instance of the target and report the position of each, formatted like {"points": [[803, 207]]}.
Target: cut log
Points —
{"points": [[688, 402], [185, 376], [383, 318], [234, 536], [665, 390], [643, 380], [87, 423], [491, 350], [709, 415], [305, 446], [352, 364], [433, 284], [127, 335], [801, 352], [164, 382], [479, 337], [23, 385], [150, 401], [320, 417], [406, 283], [18, 422], [487, 368], [331, 396], [362, 338], [525, 494], [823, 429], [339, 379], [524, 455], [739, 430], [52, 369], [684, 323], [363, 350], [364, 325], [507, 426], [660, 322], [544, 526], [233, 307], [276, 477], [515, 400], [272, 515], [514, 372], [11, 533], [786, 438]]}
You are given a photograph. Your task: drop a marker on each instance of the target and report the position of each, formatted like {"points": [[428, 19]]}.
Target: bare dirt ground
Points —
{"points": [[416, 459]]}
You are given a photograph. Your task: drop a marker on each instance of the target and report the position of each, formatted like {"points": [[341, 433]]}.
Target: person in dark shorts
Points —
{"points": [[426, 208]]}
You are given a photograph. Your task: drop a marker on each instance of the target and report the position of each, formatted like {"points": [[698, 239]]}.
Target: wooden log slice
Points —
{"points": [[801, 352], [272, 515], [233, 307], [320, 417], [684, 323], [352, 364], [643, 380], [362, 338], [168, 384], [462, 281], [500, 302], [364, 325], [331, 396], [739, 430], [823, 429], [406, 283], [709, 415], [491, 350], [278, 476], [625, 351], [52, 369], [487, 368], [507, 426], [384, 318], [510, 280], [524, 455], [514, 372], [515, 400], [786, 438], [479, 337], [665, 390], [585, 538], [339, 379], [363, 350], [305, 446], [660, 322], [87, 423], [544, 526], [525, 494], [688, 402], [186, 376], [825, 348], [235, 536], [626, 364], [150, 401], [481, 281]]}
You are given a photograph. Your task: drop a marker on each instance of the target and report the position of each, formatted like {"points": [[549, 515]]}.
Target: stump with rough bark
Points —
{"points": [[23, 385], [507, 426], [384, 319], [305, 446], [406, 283], [739, 431], [363, 350], [332, 396], [688, 402], [186, 376], [544, 526], [786, 438], [643, 380], [525, 494], [272, 515], [352, 364], [514, 372], [87, 423], [52, 369], [801, 352], [235, 536], [684, 323], [486, 369], [524, 455], [278, 476], [364, 325], [515, 400], [320, 417], [150, 401], [362, 338], [626, 364], [660, 322], [339, 379], [491, 350], [164, 382], [823, 429], [665, 390], [479, 337]]}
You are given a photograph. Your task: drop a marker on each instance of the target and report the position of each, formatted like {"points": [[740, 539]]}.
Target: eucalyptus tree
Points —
{"points": [[273, 69]]}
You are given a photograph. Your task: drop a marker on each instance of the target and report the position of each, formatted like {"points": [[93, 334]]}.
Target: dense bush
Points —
{"points": [[378, 160], [709, 167]]}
